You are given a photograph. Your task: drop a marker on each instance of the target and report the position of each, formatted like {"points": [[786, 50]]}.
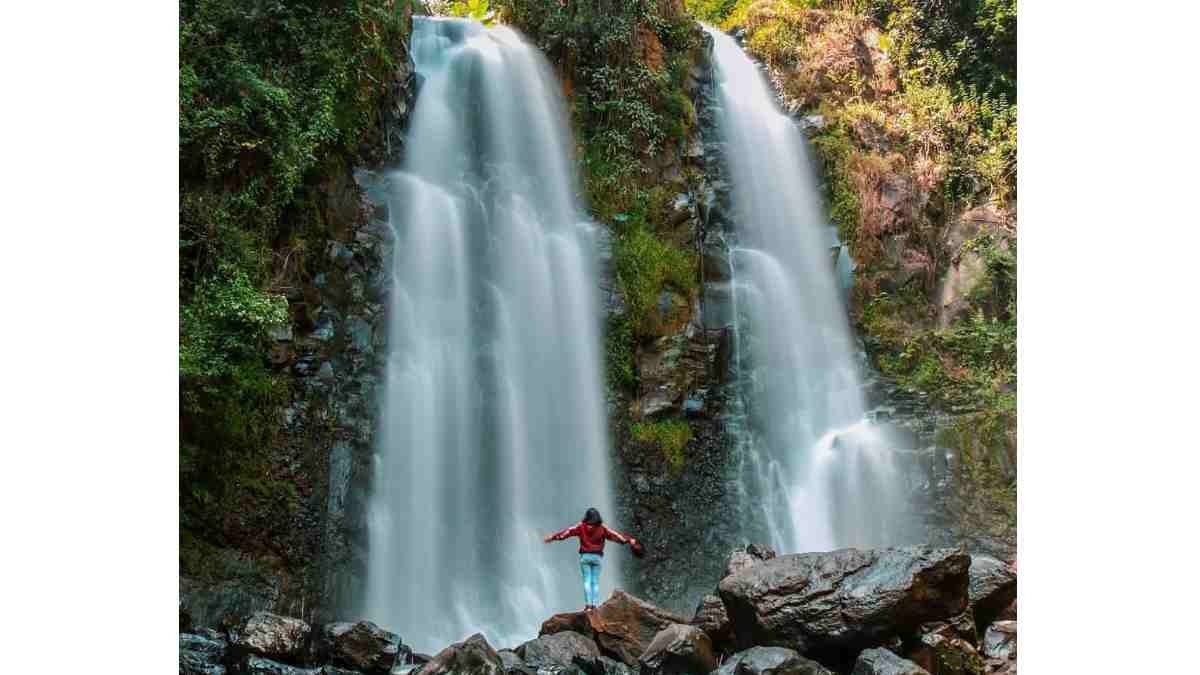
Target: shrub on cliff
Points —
{"points": [[273, 97]]}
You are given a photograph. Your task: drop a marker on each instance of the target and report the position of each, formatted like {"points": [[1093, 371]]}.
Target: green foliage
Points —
{"points": [[836, 150], [479, 10], [618, 354], [619, 98], [645, 265], [273, 98], [225, 324], [968, 42], [669, 436]]}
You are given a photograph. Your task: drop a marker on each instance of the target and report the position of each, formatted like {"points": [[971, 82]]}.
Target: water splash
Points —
{"points": [[493, 429], [816, 474]]}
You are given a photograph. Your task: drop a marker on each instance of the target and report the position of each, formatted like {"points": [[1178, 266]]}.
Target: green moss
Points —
{"points": [[836, 151], [669, 436], [618, 354], [645, 265]]}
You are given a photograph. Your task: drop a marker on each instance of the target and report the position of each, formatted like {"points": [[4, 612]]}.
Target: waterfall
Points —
{"points": [[815, 472], [493, 431]]}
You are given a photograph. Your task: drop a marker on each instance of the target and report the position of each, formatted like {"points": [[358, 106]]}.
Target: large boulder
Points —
{"points": [[712, 618], [473, 656], [1000, 640], [771, 661], [565, 648], [624, 626], [576, 622], [992, 588], [276, 637], [678, 649], [880, 661], [361, 646], [843, 600]]}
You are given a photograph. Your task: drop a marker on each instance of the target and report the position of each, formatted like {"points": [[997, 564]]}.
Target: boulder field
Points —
{"points": [[889, 611]]}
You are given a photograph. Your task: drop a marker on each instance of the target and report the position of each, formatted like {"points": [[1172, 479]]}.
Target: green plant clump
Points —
{"points": [[669, 436], [274, 98]]}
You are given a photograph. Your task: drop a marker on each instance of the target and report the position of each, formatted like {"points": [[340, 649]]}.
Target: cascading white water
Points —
{"points": [[493, 429], [815, 471]]}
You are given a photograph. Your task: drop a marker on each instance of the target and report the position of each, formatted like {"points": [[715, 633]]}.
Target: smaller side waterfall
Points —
{"points": [[817, 474]]}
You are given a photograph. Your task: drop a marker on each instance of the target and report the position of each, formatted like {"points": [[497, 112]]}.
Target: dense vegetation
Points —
{"points": [[274, 98]]}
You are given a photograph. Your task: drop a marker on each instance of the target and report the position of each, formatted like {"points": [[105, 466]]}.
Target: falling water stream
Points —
{"points": [[493, 430], [816, 473]]}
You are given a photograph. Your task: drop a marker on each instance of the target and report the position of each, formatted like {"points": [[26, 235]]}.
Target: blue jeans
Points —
{"points": [[589, 565]]}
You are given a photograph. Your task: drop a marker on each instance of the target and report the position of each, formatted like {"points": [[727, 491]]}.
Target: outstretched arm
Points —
{"points": [[613, 535], [562, 534]]}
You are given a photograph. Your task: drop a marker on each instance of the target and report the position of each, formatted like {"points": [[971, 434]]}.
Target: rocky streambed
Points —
{"points": [[862, 612]]}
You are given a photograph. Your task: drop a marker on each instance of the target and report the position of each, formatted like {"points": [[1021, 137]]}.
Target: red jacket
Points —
{"points": [[591, 537]]}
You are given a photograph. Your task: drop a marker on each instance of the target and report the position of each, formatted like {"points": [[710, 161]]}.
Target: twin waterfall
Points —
{"points": [[493, 431], [815, 473]]}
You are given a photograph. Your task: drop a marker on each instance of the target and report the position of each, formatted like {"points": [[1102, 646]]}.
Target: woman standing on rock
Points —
{"points": [[592, 533]]}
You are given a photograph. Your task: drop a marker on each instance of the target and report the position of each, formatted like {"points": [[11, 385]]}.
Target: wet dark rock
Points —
{"points": [[613, 667], [626, 626], [191, 663], [362, 646], [201, 653], [270, 635], [883, 662], [678, 649], [473, 656], [846, 599], [206, 642], [712, 618], [961, 626], [257, 665], [946, 655], [771, 661], [511, 661], [562, 648], [991, 589], [1000, 640]]}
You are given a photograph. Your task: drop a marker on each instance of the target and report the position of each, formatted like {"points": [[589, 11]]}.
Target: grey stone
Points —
{"points": [[771, 661], [678, 649], [1000, 640], [270, 635], [562, 648], [362, 646], [992, 588], [257, 665], [281, 332], [879, 661], [360, 333]]}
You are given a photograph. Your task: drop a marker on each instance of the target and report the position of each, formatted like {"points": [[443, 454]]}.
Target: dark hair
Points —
{"points": [[592, 517]]}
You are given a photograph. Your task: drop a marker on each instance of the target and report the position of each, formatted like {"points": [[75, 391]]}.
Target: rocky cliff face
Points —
{"points": [[298, 546]]}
